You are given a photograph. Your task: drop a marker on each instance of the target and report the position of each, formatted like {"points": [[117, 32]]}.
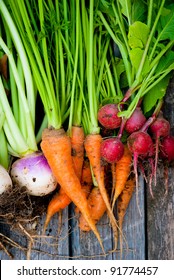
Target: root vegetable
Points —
{"points": [[5, 180], [136, 121], [112, 149], [107, 116], [33, 173]]}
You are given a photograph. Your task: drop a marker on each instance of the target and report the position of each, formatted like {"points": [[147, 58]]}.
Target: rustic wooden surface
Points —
{"points": [[160, 210], [150, 236]]}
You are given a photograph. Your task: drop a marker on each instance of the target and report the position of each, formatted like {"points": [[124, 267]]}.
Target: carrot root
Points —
{"points": [[122, 172], [56, 146], [97, 208], [92, 148]]}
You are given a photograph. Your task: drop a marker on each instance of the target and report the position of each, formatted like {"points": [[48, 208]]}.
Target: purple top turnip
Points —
{"points": [[33, 173]]}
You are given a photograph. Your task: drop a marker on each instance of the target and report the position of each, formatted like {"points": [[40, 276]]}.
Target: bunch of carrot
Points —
{"points": [[76, 72]]}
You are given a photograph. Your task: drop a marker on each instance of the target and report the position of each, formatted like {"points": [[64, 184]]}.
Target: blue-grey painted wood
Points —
{"points": [[85, 246], [54, 244], [160, 210]]}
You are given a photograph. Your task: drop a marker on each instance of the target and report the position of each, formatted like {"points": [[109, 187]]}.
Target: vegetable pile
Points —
{"points": [[82, 88]]}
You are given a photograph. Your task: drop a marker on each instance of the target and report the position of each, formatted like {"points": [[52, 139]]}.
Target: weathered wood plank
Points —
{"points": [[53, 245], [134, 228], [160, 210], [85, 246]]}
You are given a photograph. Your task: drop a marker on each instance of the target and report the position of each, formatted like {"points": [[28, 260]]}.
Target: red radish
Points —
{"points": [[159, 128], [167, 153], [112, 149], [167, 148], [107, 116], [136, 121], [140, 144]]}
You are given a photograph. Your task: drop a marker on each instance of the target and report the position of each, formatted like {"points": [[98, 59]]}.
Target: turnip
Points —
{"points": [[136, 121], [112, 149], [107, 116], [33, 173], [5, 180], [140, 144], [159, 128]]}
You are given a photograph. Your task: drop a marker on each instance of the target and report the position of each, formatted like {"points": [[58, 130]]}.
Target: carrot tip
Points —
{"points": [[47, 220]]}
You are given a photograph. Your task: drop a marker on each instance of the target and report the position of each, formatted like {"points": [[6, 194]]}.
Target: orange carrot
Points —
{"points": [[123, 202], [77, 146], [97, 208], [122, 172], [86, 179], [92, 147], [59, 202], [56, 146]]}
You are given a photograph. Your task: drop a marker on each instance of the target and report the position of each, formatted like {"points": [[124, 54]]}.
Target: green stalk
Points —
{"points": [[149, 16], [21, 52], [30, 130], [122, 49], [48, 97], [72, 106], [4, 158], [90, 75], [139, 72], [11, 128]]}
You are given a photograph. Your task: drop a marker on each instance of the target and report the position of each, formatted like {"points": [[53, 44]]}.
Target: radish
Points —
{"points": [[33, 173], [136, 121], [159, 128], [140, 144], [167, 148], [112, 149], [107, 116], [167, 153]]}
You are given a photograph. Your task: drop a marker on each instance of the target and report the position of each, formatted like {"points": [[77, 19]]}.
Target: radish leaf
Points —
{"points": [[136, 56], [138, 35], [156, 93]]}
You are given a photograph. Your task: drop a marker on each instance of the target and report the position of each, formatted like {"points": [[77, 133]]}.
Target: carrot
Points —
{"points": [[86, 179], [97, 208], [123, 202], [77, 146], [122, 172], [59, 202], [56, 146], [92, 147]]}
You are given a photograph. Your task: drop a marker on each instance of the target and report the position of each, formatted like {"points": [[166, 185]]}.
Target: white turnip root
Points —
{"points": [[33, 173], [5, 180]]}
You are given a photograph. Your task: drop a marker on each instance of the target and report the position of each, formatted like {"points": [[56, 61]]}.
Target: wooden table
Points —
{"points": [[149, 236]]}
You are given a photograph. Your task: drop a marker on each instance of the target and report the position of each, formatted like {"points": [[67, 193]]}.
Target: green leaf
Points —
{"points": [[137, 35], [165, 62], [136, 56], [120, 67], [166, 25], [156, 93], [106, 7], [139, 10], [126, 7]]}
